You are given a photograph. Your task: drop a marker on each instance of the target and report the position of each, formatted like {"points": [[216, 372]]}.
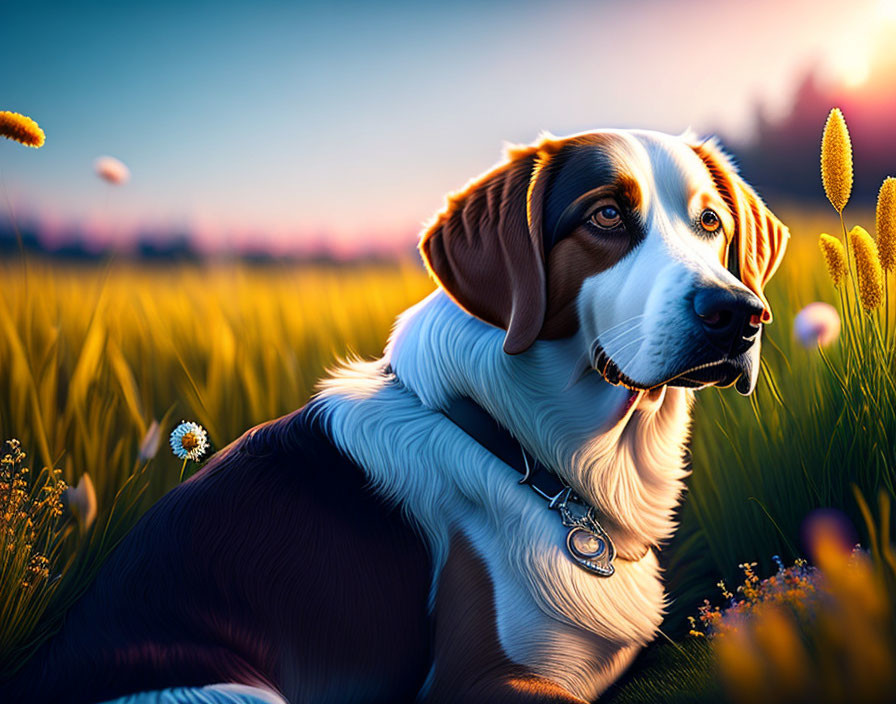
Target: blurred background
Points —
{"points": [[334, 129], [229, 198]]}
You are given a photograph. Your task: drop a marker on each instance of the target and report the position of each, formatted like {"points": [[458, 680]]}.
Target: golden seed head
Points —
{"points": [[834, 258], [869, 273], [836, 160], [21, 128], [886, 224]]}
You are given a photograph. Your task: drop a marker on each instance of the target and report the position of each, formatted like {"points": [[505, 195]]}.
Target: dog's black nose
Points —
{"points": [[729, 317]]}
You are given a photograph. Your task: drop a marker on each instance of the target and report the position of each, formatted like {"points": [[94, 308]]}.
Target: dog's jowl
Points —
{"points": [[476, 515]]}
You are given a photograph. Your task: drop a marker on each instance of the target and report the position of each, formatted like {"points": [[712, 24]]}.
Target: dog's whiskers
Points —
{"points": [[620, 365], [597, 344], [634, 352], [612, 328], [639, 338], [619, 337]]}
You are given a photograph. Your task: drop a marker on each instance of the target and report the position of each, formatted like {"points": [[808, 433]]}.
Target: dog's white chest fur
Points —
{"points": [[560, 621]]}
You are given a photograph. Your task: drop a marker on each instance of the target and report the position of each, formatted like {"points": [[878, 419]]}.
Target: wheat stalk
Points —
{"points": [[21, 129]]}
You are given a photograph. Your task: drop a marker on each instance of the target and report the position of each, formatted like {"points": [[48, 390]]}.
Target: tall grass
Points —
{"points": [[92, 356], [30, 506], [96, 353], [820, 421]]}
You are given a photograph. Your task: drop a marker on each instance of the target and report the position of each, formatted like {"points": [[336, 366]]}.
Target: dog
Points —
{"points": [[474, 517]]}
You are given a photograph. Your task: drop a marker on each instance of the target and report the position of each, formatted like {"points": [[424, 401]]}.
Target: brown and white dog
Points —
{"points": [[366, 548]]}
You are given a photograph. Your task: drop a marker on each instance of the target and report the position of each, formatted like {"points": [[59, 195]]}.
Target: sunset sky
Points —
{"points": [[344, 124]]}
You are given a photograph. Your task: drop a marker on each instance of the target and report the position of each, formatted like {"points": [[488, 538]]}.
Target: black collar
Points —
{"points": [[476, 422], [587, 542]]}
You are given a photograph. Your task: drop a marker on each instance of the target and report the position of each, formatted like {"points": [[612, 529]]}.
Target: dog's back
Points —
{"points": [[274, 566]]}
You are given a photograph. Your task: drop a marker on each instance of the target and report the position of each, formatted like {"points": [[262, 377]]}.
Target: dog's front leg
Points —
{"points": [[469, 663]]}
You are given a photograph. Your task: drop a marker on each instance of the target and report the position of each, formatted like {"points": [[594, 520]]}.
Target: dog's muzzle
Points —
{"points": [[725, 327]]}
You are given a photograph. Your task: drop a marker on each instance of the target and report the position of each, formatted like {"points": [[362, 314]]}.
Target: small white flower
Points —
{"points": [[189, 441]]}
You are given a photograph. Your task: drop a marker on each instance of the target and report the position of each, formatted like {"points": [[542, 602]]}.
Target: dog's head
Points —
{"points": [[651, 246]]}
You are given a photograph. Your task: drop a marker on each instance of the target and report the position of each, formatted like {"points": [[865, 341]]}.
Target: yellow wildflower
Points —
{"points": [[886, 224], [695, 632], [868, 270], [21, 128], [725, 593], [836, 160], [834, 258]]}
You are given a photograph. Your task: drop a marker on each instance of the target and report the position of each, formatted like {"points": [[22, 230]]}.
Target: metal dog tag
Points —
{"points": [[587, 543]]}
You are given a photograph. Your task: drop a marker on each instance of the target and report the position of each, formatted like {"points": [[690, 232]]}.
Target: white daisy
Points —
{"points": [[189, 441]]}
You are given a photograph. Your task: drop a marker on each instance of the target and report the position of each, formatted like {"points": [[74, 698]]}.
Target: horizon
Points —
{"points": [[296, 128]]}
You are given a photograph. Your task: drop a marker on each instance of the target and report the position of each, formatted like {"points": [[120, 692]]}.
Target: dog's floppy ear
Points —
{"points": [[760, 238], [485, 248]]}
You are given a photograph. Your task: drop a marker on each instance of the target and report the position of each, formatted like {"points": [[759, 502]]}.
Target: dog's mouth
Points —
{"points": [[722, 373], [609, 370]]}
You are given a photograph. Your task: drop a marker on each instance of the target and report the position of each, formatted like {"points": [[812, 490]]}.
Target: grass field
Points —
{"points": [[92, 355]]}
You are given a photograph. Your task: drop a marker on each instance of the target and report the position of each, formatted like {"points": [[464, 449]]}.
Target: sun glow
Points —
{"points": [[864, 48], [852, 65], [886, 10]]}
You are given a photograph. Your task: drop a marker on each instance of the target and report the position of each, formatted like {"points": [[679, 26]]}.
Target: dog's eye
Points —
{"points": [[710, 221], [607, 217]]}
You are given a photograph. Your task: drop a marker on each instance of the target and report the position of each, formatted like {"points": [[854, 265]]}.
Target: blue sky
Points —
{"points": [[346, 123]]}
